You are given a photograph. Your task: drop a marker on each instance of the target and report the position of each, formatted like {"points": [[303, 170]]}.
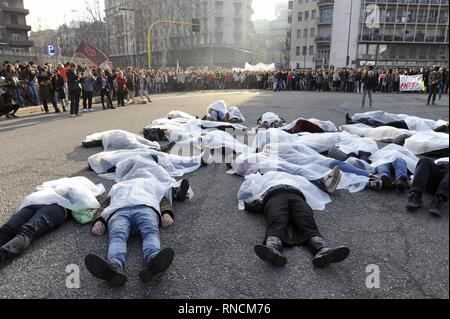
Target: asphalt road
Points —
{"points": [[214, 241]]}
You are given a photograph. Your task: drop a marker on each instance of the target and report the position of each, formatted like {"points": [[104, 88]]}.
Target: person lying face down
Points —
{"points": [[270, 120], [46, 209], [139, 204], [394, 164], [430, 177], [119, 140], [287, 201], [401, 121]]}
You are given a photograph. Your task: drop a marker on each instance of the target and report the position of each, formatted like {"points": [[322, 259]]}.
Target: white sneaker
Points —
{"points": [[333, 179]]}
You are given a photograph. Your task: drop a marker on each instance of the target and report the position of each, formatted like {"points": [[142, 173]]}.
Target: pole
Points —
{"points": [[149, 34], [347, 61], [306, 45], [136, 47]]}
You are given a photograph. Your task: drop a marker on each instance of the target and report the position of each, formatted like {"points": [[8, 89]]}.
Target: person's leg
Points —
{"points": [[12, 226], [54, 103], [72, 104], [426, 177], [385, 172], [401, 169], [434, 94], [77, 103], [46, 219], [90, 96], [119, 227], [45, 105], [85, 98], [306, 232], [364, 98], [102, 98], [347, 168], [276, 211], [369, 92]]}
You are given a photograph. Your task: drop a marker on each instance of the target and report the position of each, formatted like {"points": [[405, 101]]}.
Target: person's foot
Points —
{"points": [[387, 182], [206, 157], [375, 183], [414, 201], [57, 111], [271, 252], [433, 103], [437, 206], [428, 103], [85, 110], [326, 256], [348, 119], [442, 128], [105, 270], [78, 115], [337, 154], [181, 191], [402, 184], [168, 147], [73, 115], [333, 179], [157, 264]]}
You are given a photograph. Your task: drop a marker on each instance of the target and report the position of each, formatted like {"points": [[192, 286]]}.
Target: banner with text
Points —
{"points": [[411, 83]]}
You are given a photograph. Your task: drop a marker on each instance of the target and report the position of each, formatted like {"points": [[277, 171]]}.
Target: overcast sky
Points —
{"points": [[46, 14]]}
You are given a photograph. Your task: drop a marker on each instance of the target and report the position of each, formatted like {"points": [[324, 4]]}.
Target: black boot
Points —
{"points": [[323, 256], [157, 264], [402, 184], [271, 252], [437, 206], [16, 245], [387, 182], [414, 200], [105, 270], [180, 193]]}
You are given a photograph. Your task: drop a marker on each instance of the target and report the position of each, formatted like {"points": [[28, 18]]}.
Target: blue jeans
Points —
{"points": [[397, 169], [33, 92], [347, 168], [17, 97], [130, 221]]}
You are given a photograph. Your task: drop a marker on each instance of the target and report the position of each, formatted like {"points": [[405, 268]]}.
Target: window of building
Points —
{"points": [[306, 15], [311, 50], [300, 16], [297, 51], [305, 50], [13, 19], [312, 33], [313, 15], [15, 37], [305, 33], [299, 34]]}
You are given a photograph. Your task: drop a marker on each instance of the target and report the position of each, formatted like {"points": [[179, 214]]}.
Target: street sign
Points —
{"points": [[51, 50]]}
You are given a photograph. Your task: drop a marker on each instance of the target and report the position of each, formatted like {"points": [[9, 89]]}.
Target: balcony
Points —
{"points": [[323, 40], [22, 27], [323, 3], [325, 21], [20, 43], [15, 10]]}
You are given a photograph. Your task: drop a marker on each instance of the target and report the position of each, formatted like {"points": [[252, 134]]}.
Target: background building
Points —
{"points": [[225, 37], [13, 28], [370, 32], [271, 37], [303, 33]]}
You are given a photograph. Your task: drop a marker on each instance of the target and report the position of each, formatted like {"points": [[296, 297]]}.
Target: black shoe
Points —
{"points": [[270, 252], [437, 206], [402, 184], [180, 192], [348, 119], [168, 147], [157, 264], [387, 182], [105, 270], [327, 256], [414, 201]]}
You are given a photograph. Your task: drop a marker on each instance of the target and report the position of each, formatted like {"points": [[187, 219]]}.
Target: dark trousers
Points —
{"points": [[87, 100], [74, 102], [34, 221], [109, 102], [284, 209], [53, 101], [433, 92], [120, 98], [431, 178]]}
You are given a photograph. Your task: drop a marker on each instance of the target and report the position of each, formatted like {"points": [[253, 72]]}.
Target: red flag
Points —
{"points": [[93, 55]]}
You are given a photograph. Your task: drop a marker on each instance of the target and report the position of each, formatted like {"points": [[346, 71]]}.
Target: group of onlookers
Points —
{"points": [[31, 84]]}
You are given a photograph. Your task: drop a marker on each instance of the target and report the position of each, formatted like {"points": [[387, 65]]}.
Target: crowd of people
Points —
{"points": [[69, 85], [289, 169]]}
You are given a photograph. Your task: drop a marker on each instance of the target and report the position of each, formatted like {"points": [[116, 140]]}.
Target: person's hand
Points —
{"points": [[98, 229], [167, 220]]}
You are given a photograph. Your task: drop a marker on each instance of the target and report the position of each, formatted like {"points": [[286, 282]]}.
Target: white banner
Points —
{"points": [[260, 67], [410, 83]]}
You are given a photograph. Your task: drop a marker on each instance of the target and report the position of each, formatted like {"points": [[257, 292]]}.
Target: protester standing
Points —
{"points": [[73, 83], [88, 83]]}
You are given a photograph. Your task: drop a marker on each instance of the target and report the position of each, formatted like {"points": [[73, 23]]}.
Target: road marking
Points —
{"points": [[184, 96], [18, 125]]}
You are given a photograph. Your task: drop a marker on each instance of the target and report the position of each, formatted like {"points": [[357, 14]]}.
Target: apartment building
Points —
{"points": [[13, 28], [382, 33], [225, 37]]}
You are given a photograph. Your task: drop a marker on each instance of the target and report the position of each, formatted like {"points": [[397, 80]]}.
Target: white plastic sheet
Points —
{"points": [[382, 134], [74, 193], [425, 142], [392, 152], [326, 126], [256, 185], [121, 140]]}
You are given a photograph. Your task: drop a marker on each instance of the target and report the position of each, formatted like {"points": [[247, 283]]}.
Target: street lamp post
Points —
{"points": [[347, 61]]}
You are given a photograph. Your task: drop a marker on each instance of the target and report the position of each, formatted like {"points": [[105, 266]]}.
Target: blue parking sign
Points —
{"points": [[51, 49]]}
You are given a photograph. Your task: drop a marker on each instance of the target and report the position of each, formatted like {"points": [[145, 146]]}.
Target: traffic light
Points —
{"points": [[195, 25]]}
